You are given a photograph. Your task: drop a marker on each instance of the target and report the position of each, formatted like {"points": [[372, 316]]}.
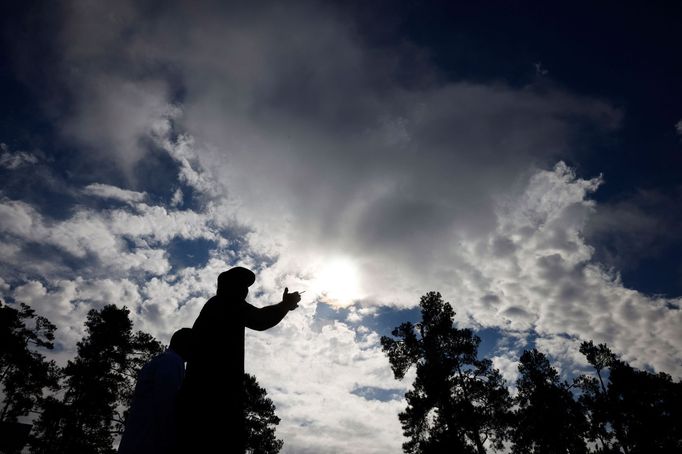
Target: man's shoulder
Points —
{"points": [[212, 301], [211, 305], [216, 303], [219, 311]]}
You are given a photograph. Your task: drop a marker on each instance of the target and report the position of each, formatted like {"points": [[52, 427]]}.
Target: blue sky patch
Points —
{"points": [[183, 253], [380, 394]]}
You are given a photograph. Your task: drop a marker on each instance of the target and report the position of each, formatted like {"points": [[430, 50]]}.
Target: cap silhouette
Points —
{"points": [[235, 277]]}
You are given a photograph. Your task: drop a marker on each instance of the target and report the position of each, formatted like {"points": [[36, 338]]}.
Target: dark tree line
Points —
{"points": [[24, 372], [460, 404], [81, 408]]}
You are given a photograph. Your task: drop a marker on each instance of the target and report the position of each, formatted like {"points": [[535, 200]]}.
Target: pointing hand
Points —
{"points": [[291, 300]]}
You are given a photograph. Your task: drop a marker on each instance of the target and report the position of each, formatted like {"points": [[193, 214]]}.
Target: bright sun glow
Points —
{"points": [[338, 282]]}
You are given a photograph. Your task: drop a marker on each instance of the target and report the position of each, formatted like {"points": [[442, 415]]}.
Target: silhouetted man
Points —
{"points": [[151, 423], [212, 395]]}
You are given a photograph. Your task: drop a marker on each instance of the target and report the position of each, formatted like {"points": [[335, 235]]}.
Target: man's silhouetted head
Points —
{"points": [[181, 342], [235, 282]]}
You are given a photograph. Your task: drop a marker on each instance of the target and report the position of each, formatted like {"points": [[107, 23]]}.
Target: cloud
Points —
{"points": [[308, 135], [57, 304], [177, 197], [307, 373], [531, 273], [282, 100], [107, 191], [636, 227], [395, 175], [13, 160], [551, 285], [508, 367], [114, 241], [4, 286], [295, 144], [540, 70], [113, 117], [678, 127]]}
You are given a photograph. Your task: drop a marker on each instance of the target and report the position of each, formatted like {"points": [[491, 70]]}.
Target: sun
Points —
{"points": [[338, 282]]}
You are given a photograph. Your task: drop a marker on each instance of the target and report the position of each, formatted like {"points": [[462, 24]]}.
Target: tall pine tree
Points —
{"points": [[260, 419], [630, 411], [458, 402], [24, 372], [97, 384], [548, 420], [97, 388]]}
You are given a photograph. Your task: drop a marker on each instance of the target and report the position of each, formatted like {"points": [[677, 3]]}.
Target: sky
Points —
{"points": [[521, 158]]}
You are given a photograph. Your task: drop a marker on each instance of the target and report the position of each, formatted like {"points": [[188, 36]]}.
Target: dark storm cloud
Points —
{"points": [[637, 227]]}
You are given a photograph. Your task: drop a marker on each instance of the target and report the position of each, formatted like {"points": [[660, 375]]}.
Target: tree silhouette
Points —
{"points": [[458, 402], [97, 386], [602, 425], [260, 419], [548, 419], [24, 372], [631, 411]]}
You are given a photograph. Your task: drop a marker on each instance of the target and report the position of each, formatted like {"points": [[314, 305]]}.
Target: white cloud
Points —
{"points": [[678, 127], [177, 197], [303, 140], [531, 271], [107, 191], [311, 375], [13, 160], [508, 367], [58, 305], [121, 239], [547, 276], [4, 286], [191, 171]]}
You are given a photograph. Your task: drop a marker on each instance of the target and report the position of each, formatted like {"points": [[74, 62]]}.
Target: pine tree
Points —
{"points": [[96, 387], [24, 372], [631, 411], [458, 402], [548, 419], [260, 419]]}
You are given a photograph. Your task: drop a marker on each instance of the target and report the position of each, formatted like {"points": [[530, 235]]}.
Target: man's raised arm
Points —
{"points": [[264, 318]]}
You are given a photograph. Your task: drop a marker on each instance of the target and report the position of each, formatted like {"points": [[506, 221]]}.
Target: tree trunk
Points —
{"points": [[479, 444]]}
